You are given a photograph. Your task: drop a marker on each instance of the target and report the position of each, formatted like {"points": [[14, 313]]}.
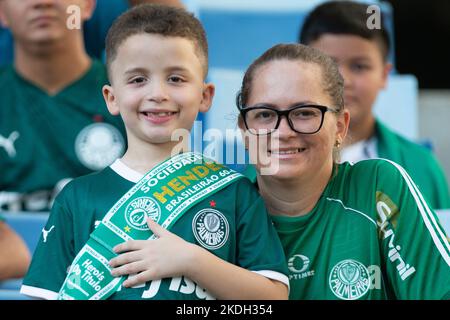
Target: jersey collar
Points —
{"points": [[126, 172]]}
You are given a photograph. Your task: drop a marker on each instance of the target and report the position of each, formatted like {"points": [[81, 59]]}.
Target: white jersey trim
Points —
{"points": [[38, 292], [126, 172], [273, 275], [354, 210], [439, 238]]}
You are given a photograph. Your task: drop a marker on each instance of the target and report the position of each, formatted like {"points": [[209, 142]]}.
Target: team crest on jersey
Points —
{"points": [[98, 145], [349, 280], [139, 210], [210, 228]]}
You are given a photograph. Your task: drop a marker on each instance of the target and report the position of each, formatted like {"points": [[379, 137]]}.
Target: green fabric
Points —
{"points": [[151, 197], [370, 236], [419, 162], [53, 138], [252, 241]]}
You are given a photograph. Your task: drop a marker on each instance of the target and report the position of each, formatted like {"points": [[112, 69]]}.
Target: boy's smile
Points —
{"points": [[157, 87], [158, 116]]}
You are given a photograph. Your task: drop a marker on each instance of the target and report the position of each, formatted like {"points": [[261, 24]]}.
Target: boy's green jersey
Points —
{"points": [[247, 237], [46, 140], [418, 161], [370, 236]]}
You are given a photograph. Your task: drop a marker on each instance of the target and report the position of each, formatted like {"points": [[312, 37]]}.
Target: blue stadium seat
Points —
{"points": [[12, 295], [444, 219], [13, 284], [28, 225]]}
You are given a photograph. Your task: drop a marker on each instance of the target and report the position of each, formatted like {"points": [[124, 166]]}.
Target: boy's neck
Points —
{"points": [[360, 132], [142, 157], [54, 66]]}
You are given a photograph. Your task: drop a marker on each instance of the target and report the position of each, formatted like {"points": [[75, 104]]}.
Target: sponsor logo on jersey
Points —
{"points": [[210, 228], [179, 284], [139, 210], [386, 210], [8, 143], [46, 232], [349, 280], [298, 265], [98, 145]]}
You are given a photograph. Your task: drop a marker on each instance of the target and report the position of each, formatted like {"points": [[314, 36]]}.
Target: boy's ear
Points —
{"points": [[110, 100], [386, 70], [207, 97], [3, 20], [87, 9]]}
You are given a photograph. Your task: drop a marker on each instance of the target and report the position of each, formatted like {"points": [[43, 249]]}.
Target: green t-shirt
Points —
{"points": [[418, 161], [370, 236], [46, 140], [250, 242]]}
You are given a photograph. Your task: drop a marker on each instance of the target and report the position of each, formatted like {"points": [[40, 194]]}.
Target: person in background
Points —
{"points": [[94, 29], [54, 124], [339, 29]]}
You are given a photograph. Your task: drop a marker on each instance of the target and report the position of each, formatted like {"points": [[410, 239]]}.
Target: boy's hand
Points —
{"points": [[166, 256]]}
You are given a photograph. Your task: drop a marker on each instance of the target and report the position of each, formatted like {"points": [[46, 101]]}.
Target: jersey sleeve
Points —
{"points": [[259, 247], [53, 254], [414, 245]]}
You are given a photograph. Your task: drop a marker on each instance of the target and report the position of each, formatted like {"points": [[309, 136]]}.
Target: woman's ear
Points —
{"points": [[110, 100], [343, 121]]}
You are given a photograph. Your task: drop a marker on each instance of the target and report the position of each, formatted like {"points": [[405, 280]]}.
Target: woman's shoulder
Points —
{"points": [[375, 174], [375, 168]]}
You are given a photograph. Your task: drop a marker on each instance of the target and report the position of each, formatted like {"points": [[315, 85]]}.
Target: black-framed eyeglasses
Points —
{"points": [[264, 119]]}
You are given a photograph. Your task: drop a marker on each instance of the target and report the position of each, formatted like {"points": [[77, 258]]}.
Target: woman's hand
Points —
{"points": [[166, 256]]}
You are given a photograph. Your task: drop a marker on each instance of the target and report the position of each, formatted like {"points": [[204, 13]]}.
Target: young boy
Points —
{"points": [[53, 123], [339, 29], [157, 62]]}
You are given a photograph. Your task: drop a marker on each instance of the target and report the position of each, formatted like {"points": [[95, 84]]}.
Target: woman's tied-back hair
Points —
{"points": [[332, 81], [161, 20]]}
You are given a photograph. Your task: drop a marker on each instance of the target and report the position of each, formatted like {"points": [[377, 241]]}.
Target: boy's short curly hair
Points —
{"points": [[343, 17], [157, 19]]}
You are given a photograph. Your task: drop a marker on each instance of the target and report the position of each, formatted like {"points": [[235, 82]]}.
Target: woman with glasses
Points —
{"points": [[349, 231]]}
